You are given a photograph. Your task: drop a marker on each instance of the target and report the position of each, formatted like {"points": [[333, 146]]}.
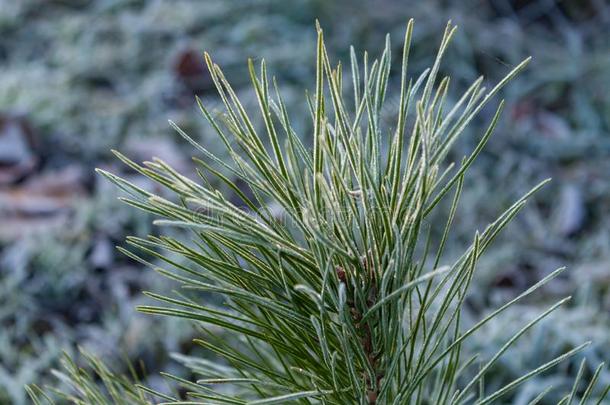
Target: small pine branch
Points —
{"points": [[333, 299], [100, 385]]}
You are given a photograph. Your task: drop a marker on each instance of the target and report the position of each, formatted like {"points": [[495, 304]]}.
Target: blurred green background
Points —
{"points": [[79, 77]]}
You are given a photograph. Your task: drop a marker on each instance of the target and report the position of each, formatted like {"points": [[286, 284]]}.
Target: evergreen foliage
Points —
{"points": [[332, 289]]}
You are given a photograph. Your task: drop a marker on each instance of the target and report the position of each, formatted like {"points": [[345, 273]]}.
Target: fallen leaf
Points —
{"points": [[191, 71], [16, 156], [43, 201]]}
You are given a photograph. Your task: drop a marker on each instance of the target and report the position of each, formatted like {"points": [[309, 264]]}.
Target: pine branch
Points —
{"points": [[333, 300]]}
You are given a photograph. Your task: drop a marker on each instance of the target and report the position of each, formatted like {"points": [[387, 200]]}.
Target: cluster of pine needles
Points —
{"points": [[329, 288]]}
